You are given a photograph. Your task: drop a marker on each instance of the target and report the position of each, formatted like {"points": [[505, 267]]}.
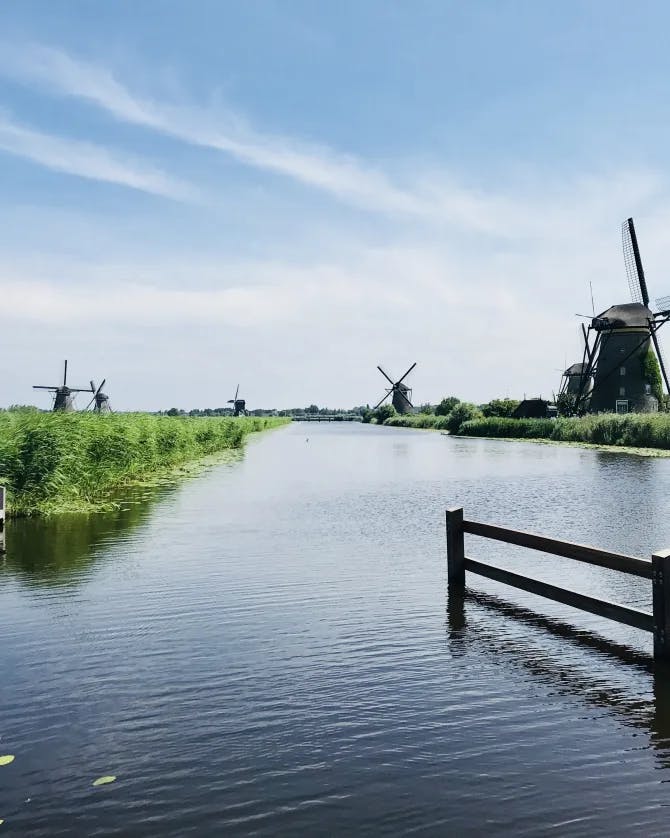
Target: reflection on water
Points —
{"points": [[59, 550], [263, 650]]}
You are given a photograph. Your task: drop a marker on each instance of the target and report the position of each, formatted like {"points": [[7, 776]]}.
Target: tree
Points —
{"points": [[384, 412], [462, 412], [426, 408], [312, 409], [447, 404], [500, 407], [173, 411]]}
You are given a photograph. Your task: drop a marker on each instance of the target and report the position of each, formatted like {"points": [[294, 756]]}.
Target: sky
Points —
{"points": [[282, 194]]}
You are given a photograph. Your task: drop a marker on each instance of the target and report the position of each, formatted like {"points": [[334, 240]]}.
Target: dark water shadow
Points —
{"points": [[642, 703], [62, 550]]}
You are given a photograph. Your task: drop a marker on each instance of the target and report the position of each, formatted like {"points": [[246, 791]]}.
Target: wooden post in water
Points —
{"points": [[455, 549], [661, 598], [2, 519]]}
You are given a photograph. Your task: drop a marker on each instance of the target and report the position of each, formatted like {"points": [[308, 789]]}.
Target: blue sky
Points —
{"points": [[287, 193]]}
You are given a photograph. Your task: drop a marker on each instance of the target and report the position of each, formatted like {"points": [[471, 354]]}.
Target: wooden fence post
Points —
{"points": [[661, 598], [455, 549]]}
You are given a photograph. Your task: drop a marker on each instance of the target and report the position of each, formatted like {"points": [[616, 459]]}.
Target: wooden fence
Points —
{"points": [[657, 569]]}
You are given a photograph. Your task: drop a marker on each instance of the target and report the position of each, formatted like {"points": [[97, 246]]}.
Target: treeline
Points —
{"points": [[449, 415], [288, 412]]}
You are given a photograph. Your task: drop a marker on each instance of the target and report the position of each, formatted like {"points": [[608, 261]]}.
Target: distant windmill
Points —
{"points": [[100, 401], [239, 405], [401, 393], [63, 396], [614, 376]]}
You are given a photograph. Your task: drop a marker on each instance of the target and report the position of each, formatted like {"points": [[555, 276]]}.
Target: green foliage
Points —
{"points": [[462, 412], [367, 415], [412, 420], [651, 372], [66, 461], [446, 406], [566, 404], [500, 407], [426, 408], [386, 411], [636, 430]]}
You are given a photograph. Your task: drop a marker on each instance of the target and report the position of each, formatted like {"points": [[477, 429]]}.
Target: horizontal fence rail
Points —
{"points": [[579, 552], [657, 569]]}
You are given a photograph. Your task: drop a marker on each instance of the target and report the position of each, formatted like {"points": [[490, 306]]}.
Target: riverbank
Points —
{"points": [[74, 462], [628, 431], [643, 434]]}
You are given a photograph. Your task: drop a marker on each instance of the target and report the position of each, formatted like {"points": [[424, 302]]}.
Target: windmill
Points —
{"points": [[100, 401], [618, 344], [239, 405], [402, 394], [63, 396]]}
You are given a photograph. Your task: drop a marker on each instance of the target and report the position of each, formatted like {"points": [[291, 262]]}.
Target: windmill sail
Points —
{"points": [[634, 270]]}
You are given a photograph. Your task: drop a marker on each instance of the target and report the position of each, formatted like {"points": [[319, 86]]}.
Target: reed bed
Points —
{"points": [[62, 462], [633, 430]]}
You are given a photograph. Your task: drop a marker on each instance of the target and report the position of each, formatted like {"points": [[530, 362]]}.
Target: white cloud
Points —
{"points": [[477, 285], [86, 160]]}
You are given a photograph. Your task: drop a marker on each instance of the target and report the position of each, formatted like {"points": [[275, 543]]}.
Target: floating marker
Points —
{"points": [[6, 759], [103, 781]]}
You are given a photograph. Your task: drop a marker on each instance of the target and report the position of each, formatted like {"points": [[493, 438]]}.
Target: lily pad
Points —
{"points": [[6, 759], [103, 781]]}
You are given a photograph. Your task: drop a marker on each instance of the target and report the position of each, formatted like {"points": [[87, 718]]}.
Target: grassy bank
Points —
{"points": [[641, 430], [418, 420], [62, 462]]}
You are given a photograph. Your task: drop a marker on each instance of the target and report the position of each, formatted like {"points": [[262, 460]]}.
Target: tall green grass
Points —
{"points": [[53, 462], [636, 430], [417, 420]]}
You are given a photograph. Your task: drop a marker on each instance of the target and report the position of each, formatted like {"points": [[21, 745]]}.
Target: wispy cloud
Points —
{"points": [[87, 160], [433, 197]]}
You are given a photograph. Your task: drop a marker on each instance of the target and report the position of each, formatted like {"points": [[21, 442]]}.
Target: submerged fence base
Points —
{"points": [[658, 570]]}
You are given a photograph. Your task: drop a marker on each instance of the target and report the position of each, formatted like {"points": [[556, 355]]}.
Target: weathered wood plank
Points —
{"points": [[580, 552], [620, 613], [661, 599]]}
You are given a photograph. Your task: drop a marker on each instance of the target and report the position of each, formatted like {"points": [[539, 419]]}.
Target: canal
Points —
{"points": [[268, 649]]}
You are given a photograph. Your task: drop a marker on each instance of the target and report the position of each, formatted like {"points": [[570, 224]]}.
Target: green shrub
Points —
{"points": [[445, 407], [462, 412], [500, 407]]}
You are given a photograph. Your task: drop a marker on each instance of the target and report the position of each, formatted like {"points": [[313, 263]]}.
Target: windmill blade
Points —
{"points": [[92, 383], [661, 360], [100, 387], [407, 373], [65, 375], [382, 400], [404, 396], [662, 304], [90, 403], [390, 380], [236, 392], [43, 387], [634, 270]]}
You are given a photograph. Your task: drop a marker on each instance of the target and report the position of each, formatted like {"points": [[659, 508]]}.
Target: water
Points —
{"points": [[269, 649]]}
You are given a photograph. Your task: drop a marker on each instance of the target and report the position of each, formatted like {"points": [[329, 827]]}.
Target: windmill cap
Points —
{"points": [[576, 369], [627, 315]]}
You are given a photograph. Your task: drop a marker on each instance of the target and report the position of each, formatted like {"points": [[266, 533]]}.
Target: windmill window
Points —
{"points": [[622, 370], [622, 391]]}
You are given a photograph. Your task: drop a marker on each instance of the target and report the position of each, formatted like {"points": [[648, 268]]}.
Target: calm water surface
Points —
{"points": [[269, 649]]}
